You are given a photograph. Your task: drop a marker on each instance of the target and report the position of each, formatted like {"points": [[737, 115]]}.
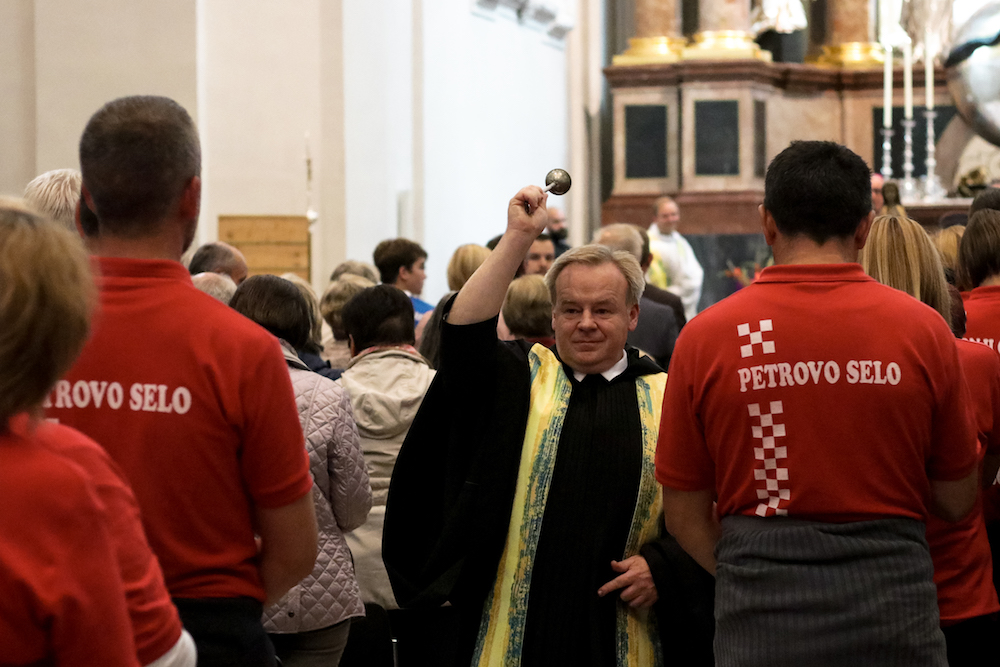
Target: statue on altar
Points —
{"points": [[891, 31], [784, 16], [928, 24]]}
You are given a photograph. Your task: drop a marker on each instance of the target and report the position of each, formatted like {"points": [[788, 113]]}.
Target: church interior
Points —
{"points": [[290, 376], [329, 125]]}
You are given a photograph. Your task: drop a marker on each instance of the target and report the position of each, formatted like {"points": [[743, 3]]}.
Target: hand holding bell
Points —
{"points": [[557, 182]]}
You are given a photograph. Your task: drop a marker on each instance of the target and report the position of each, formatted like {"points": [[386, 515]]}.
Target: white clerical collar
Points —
{"points": [[609, 374]]}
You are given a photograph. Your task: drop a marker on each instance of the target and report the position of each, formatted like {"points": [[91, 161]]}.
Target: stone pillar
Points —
{"points": [[849, 35], [657, 34], [724, 15], [724, 33], [656, 18]]}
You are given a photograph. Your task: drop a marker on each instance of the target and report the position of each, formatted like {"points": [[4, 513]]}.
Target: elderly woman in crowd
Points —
{"points": [[310, 624]]}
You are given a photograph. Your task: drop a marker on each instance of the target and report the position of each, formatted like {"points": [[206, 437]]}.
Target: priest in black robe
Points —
{"points": [[524, 494]]}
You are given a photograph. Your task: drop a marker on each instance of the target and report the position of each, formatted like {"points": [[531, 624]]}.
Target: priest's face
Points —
{"points": [[591, 317]]}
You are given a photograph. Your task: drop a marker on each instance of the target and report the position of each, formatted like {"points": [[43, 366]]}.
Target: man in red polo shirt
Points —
{"points": [[189, 398], [824, 412]]}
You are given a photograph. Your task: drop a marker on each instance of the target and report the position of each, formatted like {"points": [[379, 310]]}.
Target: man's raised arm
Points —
{"points": [[482, 296]]}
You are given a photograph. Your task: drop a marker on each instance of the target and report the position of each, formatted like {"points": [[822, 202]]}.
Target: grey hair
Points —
{"points": [[56, 193], [621, 236], [596, 255], [216, 285]]}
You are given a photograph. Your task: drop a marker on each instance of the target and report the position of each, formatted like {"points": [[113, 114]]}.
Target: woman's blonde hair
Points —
{"points": [[46, 299], [527, 308], [948, 241], [900, 254], [338, 293], [463, 263]]}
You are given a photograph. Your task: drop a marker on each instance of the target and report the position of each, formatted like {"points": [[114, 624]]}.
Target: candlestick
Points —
{"points": [[928, 70], [887, 133], [309, 175], [887, 88], [907, 81], [933, 190], [909, 187]]}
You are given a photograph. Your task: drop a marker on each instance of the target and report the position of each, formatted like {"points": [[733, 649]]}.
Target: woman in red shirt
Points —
{"points": [[900, 254]]}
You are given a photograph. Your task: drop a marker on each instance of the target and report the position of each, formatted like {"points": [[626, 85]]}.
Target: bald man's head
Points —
{"points": [[222, 258]]}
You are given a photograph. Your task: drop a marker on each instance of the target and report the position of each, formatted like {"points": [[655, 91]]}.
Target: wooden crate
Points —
{"points": [[271, 243]]}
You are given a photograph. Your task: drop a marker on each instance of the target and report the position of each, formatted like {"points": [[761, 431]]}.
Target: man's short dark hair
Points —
{"points": [[212, 258], [277, 305], [818, 189], [393, 254], [979, 250], [492, 243], [380, 315], [987, 199], [137, 155]]}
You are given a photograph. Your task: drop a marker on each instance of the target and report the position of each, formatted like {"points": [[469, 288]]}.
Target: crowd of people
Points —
{"points": [[203, 466]]}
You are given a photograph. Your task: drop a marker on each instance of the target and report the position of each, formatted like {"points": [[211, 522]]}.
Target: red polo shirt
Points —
{"points": [[61, 596], [816, 393], [193, 402]]}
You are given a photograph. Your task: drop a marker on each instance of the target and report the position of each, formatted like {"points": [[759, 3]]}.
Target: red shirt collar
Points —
{"points": [[813, 273], [124, 267], [989, 292]]}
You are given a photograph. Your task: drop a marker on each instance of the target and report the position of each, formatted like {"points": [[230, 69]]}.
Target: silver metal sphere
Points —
{"points": [[559, 180], [974, 80]]}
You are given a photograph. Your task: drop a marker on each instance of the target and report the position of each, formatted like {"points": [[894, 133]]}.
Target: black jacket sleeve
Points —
{"points": [[685, 610], [453, 485]]}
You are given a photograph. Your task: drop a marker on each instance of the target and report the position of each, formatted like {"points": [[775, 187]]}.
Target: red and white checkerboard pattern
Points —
{"points": [[755, 338], [772, 479]]}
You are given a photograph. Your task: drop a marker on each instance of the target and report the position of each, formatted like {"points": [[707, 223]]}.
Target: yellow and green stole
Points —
{"points": [[501, 631]]}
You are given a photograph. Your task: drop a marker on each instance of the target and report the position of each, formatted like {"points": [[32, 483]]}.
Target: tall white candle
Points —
{"points": [[907, 81], [928, 70], [887, 89]]}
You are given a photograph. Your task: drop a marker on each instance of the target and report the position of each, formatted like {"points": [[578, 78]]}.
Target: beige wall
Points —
{"points": [[17, 102], [89, 53], [259, 91]]}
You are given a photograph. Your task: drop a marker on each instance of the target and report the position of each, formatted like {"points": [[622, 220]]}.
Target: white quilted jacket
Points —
{"points": [[343, 496]]}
